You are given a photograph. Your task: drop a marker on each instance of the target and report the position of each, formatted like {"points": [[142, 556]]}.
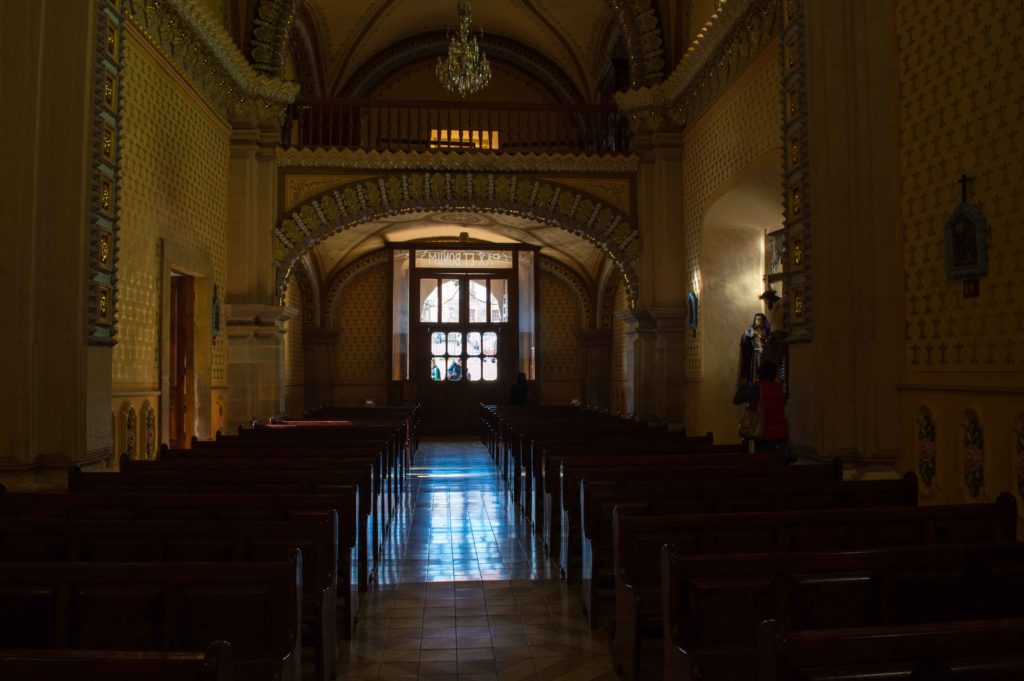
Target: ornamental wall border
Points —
{"points": [[395, 193], [360, 159], [199, 47], [724, 48]]}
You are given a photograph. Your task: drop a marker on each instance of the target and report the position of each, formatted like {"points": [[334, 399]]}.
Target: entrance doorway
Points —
{"points": [[182, 405], [464, 329]]}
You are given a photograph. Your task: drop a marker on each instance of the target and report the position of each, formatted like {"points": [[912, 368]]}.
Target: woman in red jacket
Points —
{"points": [[775, 430]]}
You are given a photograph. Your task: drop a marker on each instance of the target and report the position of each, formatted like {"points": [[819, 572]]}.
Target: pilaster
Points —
{"points": [[255, 366], [319, 345], [597, 361], [659, 210], [252, 214]]}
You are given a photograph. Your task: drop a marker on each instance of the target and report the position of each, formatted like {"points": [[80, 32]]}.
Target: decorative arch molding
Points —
{"points": [[607, 288], [343, 278], [541, 199], [384, 64], [271, 25], [642, 35], [576, 284], [305, 52], [309, 290]]}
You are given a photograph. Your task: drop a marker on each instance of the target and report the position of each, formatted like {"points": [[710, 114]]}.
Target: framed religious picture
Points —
{"points": [[965, 243]]}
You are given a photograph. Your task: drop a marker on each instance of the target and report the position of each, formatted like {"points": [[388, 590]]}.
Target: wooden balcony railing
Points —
{"points": [[409, 126]]}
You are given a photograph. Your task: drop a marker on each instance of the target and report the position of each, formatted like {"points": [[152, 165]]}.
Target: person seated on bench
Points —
{"points": [[774, 429]]}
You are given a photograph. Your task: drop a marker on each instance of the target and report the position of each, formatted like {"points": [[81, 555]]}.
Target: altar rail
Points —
{"points": [[418, 126]]}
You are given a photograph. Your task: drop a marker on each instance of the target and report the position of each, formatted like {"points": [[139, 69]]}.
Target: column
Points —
{"points": [[255, 362], [597, 349]]}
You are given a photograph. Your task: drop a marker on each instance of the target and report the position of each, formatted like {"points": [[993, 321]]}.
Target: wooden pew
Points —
{"points": [[638, 539], [624, 472], [249, 482], [216, 664], [192, 508], [712, 606], [380, 506], [168, 541], [597, 502], [979, 650], [551, 483], [159, 607]]}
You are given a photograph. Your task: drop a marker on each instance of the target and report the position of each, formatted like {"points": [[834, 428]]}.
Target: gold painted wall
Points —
{"points": [[961, 75], [739, 129], [621, 344], [174, 190], [294, 359], [559, 358], [364, 334]]}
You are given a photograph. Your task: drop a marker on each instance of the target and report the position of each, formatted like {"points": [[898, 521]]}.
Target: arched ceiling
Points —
{"points": [[344, 248], [568, 32]]}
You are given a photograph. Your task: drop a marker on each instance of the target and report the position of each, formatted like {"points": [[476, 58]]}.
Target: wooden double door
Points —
{"points": [[464, 346]]}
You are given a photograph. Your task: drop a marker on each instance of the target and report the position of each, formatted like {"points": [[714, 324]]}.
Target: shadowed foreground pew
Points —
{"points": [[637, 540], [168, 541], [216, 664], [979, 650], [159, 607], [713, 606]]}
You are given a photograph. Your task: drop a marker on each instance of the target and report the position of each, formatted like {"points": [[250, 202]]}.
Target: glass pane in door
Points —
{"points": [[454, 369], [428, 300], [473, 369], [438, 343], [490, 343], [454, 343], [450, 301], [473, 342], [477, 301], [437, 365], [490, 368], [499, 301]]}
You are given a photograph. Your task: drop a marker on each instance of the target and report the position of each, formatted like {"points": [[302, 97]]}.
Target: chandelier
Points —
{"points": [[466, 70]]}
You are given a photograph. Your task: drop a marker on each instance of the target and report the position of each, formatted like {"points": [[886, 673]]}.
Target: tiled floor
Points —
{"points": [[465, 592]]}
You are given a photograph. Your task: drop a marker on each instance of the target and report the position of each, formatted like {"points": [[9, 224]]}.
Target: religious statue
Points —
{"points": [[753, 346]]}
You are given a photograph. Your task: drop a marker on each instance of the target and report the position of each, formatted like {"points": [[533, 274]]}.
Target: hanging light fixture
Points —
{"points": [[466, 69]]}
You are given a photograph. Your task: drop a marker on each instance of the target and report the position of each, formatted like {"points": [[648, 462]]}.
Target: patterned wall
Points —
{"points": [[175, 186], [364, 334], [744, 127], [560, 368], [960, 112], [620, 382], [294, 362]]}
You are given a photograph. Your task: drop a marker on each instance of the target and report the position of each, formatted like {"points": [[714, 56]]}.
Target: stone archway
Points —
{"points": [[545, 200]]}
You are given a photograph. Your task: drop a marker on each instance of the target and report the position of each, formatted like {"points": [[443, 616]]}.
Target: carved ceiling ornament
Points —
{"points": [[641, 32], [543, 200], [270, 30], [723, 49], [200, 48], [361, 159]]}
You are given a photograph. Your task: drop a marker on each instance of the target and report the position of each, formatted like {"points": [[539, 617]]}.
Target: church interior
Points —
{"points": [[295, 226]]}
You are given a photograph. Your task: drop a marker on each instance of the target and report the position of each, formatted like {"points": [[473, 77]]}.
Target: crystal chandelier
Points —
{"points": [[466, 70]]}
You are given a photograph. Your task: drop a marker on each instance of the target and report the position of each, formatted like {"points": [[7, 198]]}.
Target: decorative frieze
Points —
{"points": [[359, 159], [105, 154], [270, 31]]}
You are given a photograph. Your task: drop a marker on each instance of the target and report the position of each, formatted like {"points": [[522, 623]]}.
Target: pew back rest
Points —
{"points": [[154, 606], [985, 649], [216, 664], [718, 600]]}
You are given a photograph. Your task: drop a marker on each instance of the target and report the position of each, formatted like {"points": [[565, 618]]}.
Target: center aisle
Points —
{"points": [[465, 592]]}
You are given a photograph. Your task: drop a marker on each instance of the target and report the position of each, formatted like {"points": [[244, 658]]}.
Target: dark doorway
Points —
{"points": [[182, 365]]}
